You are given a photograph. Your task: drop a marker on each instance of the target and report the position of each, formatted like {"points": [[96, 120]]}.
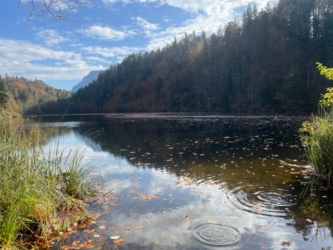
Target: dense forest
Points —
{"points": [[261, 63], [23, 94]]}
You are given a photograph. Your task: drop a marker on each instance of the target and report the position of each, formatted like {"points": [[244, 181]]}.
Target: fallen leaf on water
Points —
{"points": [[211, 221], [156, 242], [89, 246], [139, 226], [89, 231], [173, 237], [186, 217], [287, 210], [308, 220], [256, 207], [286, 243], [116, 231], [102, 228], [115, 237], [188, 231], [82, 225], [209, 183], [118, 241], [176, 183], [127, 230], [75, 243], [66, 247]]}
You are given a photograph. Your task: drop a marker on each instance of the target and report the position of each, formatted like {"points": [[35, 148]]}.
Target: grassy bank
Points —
{"points": [[317, 135], [36, 188]]}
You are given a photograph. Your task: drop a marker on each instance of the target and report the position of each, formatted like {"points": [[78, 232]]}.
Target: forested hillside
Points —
{"points": [[261, 63], [26, 93]]}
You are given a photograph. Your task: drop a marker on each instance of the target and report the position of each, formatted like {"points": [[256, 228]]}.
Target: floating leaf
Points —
{"points": [[89, 231], [118, 241], [286, 243], [66, 247], [209, 182], [75, 243]]}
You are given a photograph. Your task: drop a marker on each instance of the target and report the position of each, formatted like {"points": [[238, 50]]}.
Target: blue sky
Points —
{"points": [[93, 37]]}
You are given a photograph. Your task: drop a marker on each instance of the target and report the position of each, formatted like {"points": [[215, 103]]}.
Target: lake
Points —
{"points": [[192, 182]]}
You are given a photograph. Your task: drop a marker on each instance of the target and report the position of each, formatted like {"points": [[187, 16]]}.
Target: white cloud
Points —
{"points": [[109, 1], [209, 15], [207, 6], [145, 25], [29, 60], [97, 59], [103, 33], [51, 37], [119, 52]]}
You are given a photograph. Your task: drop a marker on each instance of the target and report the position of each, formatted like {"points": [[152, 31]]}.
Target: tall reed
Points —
{"points": [[317, 137], [33, 187]]}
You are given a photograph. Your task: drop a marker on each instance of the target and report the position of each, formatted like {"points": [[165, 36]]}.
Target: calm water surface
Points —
{"points": [[192, 182]]}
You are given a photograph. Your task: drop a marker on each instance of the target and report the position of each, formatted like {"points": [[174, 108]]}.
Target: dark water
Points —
{"points": [[193, 182]]}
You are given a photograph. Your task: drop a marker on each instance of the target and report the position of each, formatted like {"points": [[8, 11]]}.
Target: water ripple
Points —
{"points": [[271, 203], [216, 234]]}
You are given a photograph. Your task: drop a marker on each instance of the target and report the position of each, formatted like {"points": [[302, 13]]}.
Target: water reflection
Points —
{"points": [[193, 183]]}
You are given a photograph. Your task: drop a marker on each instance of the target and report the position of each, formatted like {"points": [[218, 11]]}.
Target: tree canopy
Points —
{"points": [[263, 63]]}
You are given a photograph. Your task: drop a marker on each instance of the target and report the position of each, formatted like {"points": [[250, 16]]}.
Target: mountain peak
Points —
{"points": [[86, 80]]}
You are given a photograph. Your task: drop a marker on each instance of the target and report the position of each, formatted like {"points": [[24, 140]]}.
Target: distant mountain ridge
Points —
{"points": [[86, 80], [25, 93]]}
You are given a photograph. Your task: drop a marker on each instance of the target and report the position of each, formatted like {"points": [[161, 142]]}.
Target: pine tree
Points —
{"points": [[3, 95]]}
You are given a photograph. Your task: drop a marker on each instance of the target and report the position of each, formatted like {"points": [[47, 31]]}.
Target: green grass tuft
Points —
{"points": [[34, 188]]}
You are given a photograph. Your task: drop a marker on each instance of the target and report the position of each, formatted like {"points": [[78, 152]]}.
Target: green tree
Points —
{"points": [[327, 99], [3, 95]]}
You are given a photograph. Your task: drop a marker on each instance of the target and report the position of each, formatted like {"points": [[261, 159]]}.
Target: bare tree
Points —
{"points": [[55, 8]]}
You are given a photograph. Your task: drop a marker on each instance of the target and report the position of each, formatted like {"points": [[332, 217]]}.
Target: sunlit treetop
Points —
{"points": [[327, 99], [324, 71]]}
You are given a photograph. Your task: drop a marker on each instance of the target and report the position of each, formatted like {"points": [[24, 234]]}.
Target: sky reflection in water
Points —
{"points": [[214, 183]]}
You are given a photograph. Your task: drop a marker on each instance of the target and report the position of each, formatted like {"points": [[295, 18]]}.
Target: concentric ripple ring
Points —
{"points": [[216, 235], [272, 203]]}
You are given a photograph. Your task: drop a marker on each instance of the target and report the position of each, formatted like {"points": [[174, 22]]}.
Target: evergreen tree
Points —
{"points": [[3, 95]]}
